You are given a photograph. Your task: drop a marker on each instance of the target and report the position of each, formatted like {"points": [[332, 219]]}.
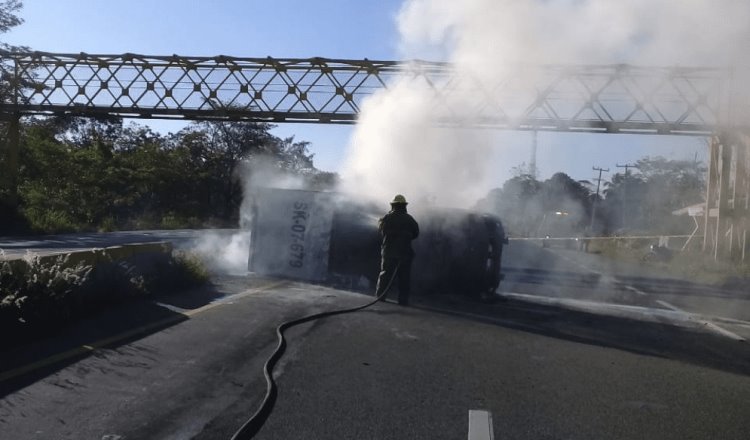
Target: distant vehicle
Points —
{"points": [[327, 237]]}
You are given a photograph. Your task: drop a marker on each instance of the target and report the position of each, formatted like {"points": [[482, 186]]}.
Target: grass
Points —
{"points": [[54, 221], [34, 292], [182, 271], [689, 265], [38, 296]]}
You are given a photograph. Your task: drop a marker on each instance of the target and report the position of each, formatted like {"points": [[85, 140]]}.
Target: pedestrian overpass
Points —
{"points": [[711, 102]]}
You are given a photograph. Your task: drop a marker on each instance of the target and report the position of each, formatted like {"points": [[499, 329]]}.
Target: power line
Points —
{"points": [[626, 166]]}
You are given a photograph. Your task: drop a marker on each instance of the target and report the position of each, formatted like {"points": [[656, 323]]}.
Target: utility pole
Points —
{"points": [[598, 183], [532, 165], [626, 166], [625, 186]]}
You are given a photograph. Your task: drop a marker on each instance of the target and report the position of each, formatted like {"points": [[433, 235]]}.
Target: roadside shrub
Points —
{"points": [[38, 295], [108, 224], [151, 275], [50, 221], [173, 221], [189, 269]]}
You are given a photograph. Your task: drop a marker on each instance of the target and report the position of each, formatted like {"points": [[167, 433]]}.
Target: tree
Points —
{"points": [[529, 207], [566, 206], [518, 204], [294, 156], [81, 173], [9, 19], [85, 132], [645, 200], [9, 125], [622, 206], [220, 148]]}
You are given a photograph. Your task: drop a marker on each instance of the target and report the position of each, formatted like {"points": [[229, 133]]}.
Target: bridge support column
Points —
{"points": [[728, 197], [10, 158]]}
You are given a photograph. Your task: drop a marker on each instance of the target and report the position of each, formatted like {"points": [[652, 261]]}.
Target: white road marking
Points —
{"points": [[722, 331], [171, 307], [706, 323], [671, 312], [669, 306], [638, 291], [480, 425], [732, 321], [691, 316]]}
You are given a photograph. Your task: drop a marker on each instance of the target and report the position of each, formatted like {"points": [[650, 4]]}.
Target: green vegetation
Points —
{"points": [[38, 295], [86, 174], [691, 266], [632, 203], [638, 203], [34, 294], [183, 271], [81, 174]]}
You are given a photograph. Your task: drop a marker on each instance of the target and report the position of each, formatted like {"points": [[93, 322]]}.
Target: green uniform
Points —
{"points": [[398, 229]]}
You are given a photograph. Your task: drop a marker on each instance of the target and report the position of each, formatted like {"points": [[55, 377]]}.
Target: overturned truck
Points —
{"points": [[328, 238]]}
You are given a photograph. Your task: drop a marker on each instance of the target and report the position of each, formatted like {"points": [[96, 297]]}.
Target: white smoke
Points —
{"points": [[228, 252], [496, 33], [397, 148], [222, 252]]}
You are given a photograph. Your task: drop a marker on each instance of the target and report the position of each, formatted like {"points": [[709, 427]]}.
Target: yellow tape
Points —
{"points": [[632, 237]]}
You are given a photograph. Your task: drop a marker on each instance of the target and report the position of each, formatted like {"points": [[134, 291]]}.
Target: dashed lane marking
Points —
{"points": [[480, 425], [87, 348]]}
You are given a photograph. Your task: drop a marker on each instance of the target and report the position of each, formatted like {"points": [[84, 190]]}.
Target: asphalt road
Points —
{"points": [[570, 278], [574, 351]]}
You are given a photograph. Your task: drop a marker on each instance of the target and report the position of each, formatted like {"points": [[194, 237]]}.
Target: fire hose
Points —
{"points": [[255, 423]]}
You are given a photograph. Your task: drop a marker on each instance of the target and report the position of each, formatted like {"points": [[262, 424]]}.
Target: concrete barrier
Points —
{"points": [[43, 294], [140, 254]]}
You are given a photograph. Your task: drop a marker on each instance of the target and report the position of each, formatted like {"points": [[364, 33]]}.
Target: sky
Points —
{"points": [[301, 28]]}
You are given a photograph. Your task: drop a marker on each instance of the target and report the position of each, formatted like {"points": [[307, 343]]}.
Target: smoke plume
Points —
{"points": [[228, 252], [397, 147]]}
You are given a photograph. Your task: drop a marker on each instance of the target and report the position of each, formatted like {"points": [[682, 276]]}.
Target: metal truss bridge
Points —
{"points": [[604, 99], [611, 99]]}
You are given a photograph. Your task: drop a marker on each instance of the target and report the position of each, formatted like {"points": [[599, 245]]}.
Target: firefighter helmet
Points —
{"points": [[399, 200]]}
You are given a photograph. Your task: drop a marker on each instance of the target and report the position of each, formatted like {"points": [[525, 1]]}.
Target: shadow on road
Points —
{"points": [[111, 328], [662, 340]]}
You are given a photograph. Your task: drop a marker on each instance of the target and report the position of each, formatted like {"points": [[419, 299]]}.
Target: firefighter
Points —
{"points": [[398, 229]]}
